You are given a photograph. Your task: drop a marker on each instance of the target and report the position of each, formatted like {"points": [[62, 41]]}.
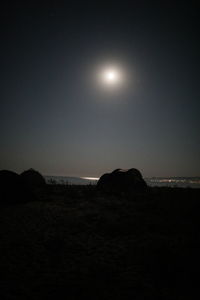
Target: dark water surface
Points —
{"points": [[192, 182]]}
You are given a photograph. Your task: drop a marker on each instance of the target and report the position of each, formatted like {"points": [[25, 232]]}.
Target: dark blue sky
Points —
{"points": [[52, 116]]}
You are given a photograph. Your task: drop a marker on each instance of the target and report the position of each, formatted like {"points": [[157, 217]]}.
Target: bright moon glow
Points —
{"points": [[111, 76]]}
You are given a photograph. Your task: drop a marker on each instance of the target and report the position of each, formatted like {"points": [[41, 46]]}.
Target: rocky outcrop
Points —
{"points": [[33, 178], [13, 190], [122, 181]]}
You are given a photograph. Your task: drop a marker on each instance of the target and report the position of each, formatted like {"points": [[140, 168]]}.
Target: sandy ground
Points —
{"points": [[76, 243]]}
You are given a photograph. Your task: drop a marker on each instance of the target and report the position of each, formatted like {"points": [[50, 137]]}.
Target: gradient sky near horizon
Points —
{"points": [[55, 118]]}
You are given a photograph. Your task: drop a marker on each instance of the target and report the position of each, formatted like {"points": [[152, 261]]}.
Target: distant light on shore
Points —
{"points": [[90, 178]]}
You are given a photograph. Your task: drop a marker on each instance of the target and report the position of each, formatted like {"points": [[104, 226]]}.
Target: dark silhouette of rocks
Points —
{"points": [[13, 190], [122, 181], [33, 178]]}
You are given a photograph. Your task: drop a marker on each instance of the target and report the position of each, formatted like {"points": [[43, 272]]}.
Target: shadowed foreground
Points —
{"points": [[86, 245]]}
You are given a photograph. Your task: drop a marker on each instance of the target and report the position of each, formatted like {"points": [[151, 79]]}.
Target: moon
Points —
{"points": [[110, 76]]}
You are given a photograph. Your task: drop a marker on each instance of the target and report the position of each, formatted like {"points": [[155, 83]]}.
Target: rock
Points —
{"points": [[12, 188], [122, 181], [33, 178]]}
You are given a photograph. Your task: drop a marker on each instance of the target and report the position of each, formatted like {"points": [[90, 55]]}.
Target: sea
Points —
{"points": [[183, 182]]}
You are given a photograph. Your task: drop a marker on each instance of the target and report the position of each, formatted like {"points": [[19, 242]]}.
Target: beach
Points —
{"points": [[78, 243]]}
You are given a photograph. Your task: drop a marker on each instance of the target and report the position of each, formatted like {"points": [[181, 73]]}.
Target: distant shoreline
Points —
{"points": [[191, 182]]}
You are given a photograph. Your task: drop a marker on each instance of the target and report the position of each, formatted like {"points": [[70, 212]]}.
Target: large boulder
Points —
{"points": [[122, 181], [13, 190], [33, 178]]}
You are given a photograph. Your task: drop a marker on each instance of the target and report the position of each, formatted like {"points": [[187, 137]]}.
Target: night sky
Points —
{"points": [[56, 118]]}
